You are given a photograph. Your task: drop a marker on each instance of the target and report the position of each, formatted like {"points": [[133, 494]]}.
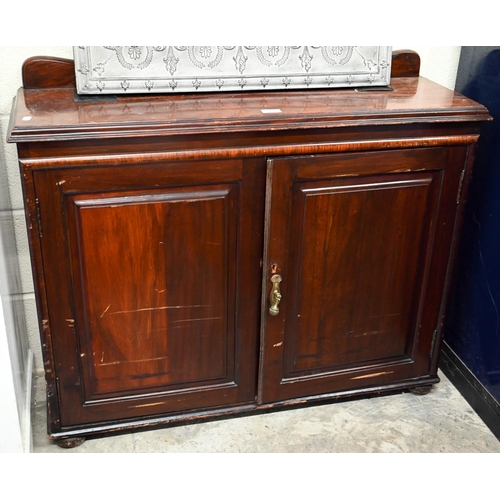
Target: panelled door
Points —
{"points": [[356, 246], [153, 284]]}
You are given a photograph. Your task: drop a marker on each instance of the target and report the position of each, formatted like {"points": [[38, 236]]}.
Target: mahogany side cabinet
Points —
{"points": [[207, 254]]}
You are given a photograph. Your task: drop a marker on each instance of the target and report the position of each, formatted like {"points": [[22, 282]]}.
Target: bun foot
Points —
{"points": [[422, 390], [70, 442]]}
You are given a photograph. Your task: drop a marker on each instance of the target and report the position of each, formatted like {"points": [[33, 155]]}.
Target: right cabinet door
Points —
{"points": [[361, 242]]}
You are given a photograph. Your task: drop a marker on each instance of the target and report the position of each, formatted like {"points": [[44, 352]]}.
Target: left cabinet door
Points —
{"points": [[146, 268]]}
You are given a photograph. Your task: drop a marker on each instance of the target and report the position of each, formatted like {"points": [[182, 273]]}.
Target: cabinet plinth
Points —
{"points": [[197, 256]]}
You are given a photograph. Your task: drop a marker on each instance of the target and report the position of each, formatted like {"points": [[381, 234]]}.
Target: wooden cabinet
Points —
{"points": [[163, 229]]}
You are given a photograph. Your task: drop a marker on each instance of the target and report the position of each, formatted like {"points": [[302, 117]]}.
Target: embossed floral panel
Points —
{"points": [[140, 69]]}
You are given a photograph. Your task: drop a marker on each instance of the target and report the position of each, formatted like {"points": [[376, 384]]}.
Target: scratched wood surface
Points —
{"points": [[165, 286], [355, 254]]}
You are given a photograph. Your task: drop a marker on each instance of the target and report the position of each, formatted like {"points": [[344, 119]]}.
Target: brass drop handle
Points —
{"points": [[275, 296]]}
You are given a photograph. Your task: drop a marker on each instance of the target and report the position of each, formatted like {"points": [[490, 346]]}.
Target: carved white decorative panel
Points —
{"points": [[139, 69]]}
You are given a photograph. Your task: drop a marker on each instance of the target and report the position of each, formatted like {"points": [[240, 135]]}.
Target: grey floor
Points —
{"points": [[439, 422]]}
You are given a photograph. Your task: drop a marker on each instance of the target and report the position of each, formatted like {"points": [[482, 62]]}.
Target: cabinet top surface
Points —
{"points": [[54, 114]]}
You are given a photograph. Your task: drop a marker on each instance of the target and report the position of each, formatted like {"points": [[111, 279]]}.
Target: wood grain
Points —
{"points": [[354, 238], [42, 72], [52, 114]]}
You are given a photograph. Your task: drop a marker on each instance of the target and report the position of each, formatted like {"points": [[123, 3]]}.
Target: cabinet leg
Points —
{"points": [[70, 442], [422, 390]]}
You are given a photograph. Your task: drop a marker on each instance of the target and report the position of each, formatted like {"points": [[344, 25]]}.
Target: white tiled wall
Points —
{"points": [[438, 63], [15, 355]]}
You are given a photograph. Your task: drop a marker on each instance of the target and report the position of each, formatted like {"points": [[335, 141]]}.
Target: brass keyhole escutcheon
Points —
{"points": [[275, 296]]}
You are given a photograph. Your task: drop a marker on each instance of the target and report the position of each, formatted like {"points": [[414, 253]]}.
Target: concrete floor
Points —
{"points": [[439, 422]]}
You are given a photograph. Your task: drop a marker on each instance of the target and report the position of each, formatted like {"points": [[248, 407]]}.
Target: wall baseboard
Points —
{"points": [[471, 389]]}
